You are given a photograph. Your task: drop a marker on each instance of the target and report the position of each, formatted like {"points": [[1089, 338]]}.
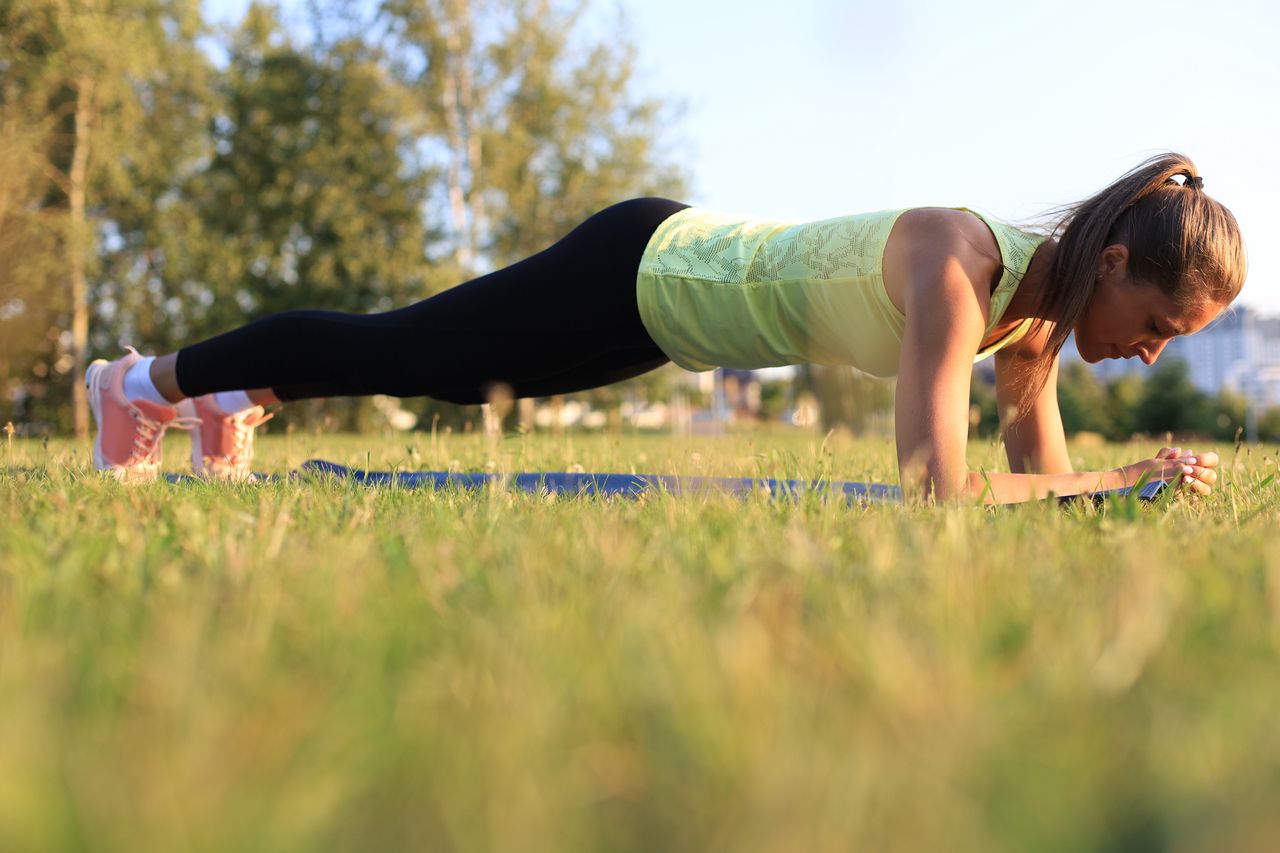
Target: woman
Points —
{"points": [[919, 293]]}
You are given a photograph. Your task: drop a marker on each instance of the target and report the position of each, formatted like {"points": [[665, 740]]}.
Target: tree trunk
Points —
{"points": [[454, 66], [77, 227], [457, 191], [467, 108], [466, 201]]}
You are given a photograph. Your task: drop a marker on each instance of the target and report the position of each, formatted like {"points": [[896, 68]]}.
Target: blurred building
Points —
{"points": [[741, 389]]}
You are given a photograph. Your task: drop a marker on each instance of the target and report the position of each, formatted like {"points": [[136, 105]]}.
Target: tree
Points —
{"points": [[1171, 403], [1082, 400], [313, 196], [1123, 397], [533, 124], [145, 277], [29, 271], [77, 76], [1228, 413], [1269, 424], [431, 142], [571, 138], [850, 398]]}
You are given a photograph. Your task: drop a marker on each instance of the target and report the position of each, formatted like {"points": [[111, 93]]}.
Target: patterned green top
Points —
{"points": [[716, 290]]}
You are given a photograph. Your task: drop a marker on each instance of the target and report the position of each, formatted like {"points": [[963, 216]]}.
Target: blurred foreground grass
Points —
{"points": [[313, 666]]}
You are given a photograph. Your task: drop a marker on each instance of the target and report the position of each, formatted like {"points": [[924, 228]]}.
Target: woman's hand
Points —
{"points": [[1199, 474], [1195, 471]]}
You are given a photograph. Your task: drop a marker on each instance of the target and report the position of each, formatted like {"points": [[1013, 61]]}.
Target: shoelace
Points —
{"points": [[242, 427], [148, 434]]}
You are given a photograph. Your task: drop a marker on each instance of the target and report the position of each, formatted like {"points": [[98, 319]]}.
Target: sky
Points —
{"points": [[806, 109]]}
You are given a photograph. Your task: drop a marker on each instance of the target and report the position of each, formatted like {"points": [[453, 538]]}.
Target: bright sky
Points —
{"points": [[812, 108]]}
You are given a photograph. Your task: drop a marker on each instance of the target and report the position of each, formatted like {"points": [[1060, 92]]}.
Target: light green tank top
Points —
{"points": [[716, 290]]}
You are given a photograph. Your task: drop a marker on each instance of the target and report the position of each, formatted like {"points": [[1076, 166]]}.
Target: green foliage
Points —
{"points": [[846, 397], [308, 666], [312, 198], [82, 82], [380, 162], [30, 272], [1124, 395], [533, 120], [1170, 402], [1161, 401], [1269, 425], [1083, 400]]}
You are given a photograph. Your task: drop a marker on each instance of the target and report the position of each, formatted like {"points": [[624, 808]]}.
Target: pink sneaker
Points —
{"points": [[222, 446], [129, 432]]}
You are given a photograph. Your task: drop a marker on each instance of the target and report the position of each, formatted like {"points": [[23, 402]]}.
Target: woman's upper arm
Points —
{"points": [[943, 279]]}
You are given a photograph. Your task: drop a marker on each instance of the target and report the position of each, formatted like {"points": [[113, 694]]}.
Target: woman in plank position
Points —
{"points": [[920, 293]]}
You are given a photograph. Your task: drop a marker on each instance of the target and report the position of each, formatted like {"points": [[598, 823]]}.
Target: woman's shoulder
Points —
{"points": [[930, 238], [952, 227]]}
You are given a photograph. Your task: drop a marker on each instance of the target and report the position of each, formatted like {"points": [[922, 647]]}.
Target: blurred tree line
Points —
{"points": [[161, 181], [1161, 400]]}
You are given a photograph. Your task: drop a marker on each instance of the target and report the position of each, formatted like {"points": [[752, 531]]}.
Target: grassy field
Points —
{"points": [[313, 666]]}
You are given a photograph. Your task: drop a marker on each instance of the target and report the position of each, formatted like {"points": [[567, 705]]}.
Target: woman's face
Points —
{"points": [[1126, 318]]}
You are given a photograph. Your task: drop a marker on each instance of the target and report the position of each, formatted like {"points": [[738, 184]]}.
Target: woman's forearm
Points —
{"points": [[1002, 488]]}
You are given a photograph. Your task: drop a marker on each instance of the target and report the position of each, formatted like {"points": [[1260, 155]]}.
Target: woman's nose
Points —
{"points": [[1151, 351]]}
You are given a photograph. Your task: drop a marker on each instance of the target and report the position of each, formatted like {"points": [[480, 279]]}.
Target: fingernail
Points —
{"points": [[1188, 470]]}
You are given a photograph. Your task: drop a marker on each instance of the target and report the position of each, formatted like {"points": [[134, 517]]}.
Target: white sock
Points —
{"points": [[138, 384], [233, 402]]}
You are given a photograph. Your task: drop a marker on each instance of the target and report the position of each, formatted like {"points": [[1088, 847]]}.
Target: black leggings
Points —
{"points": [[563, 320]]}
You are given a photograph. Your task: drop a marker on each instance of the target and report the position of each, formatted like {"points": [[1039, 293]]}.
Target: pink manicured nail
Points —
{"points": [[1188, 470]]}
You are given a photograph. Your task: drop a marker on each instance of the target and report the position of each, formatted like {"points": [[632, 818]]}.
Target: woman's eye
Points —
{"points": [[1152, 327]]}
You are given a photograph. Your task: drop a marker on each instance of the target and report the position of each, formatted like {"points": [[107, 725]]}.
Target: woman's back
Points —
{"points": [[718, 290]]}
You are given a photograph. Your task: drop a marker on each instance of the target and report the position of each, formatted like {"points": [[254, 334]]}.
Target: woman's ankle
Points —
{"points": [[164, 376]]}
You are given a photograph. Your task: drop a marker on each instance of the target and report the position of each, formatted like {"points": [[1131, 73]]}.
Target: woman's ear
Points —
{"points": [[1113, 261]]}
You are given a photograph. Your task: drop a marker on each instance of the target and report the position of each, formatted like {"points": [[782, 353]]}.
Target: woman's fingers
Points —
{"points": [[1198, 480], [1168, 452], [1208, 459], [1201, 473], [1198, 487]]}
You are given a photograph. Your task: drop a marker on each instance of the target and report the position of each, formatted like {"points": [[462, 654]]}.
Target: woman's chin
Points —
{"points": [[1092, 352], [1089, 354]]}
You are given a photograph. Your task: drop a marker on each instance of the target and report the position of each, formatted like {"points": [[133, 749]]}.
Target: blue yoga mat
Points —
{"points": [[631, 485], [614, 485]]}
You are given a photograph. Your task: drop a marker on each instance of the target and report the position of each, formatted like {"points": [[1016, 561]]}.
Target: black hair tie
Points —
{"points": [[1195, 182]]}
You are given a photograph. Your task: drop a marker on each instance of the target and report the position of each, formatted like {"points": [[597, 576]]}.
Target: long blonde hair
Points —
{"points": [[1179, 239]]}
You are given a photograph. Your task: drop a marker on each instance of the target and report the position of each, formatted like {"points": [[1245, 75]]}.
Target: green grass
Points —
{"points": [[315, 666]]}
